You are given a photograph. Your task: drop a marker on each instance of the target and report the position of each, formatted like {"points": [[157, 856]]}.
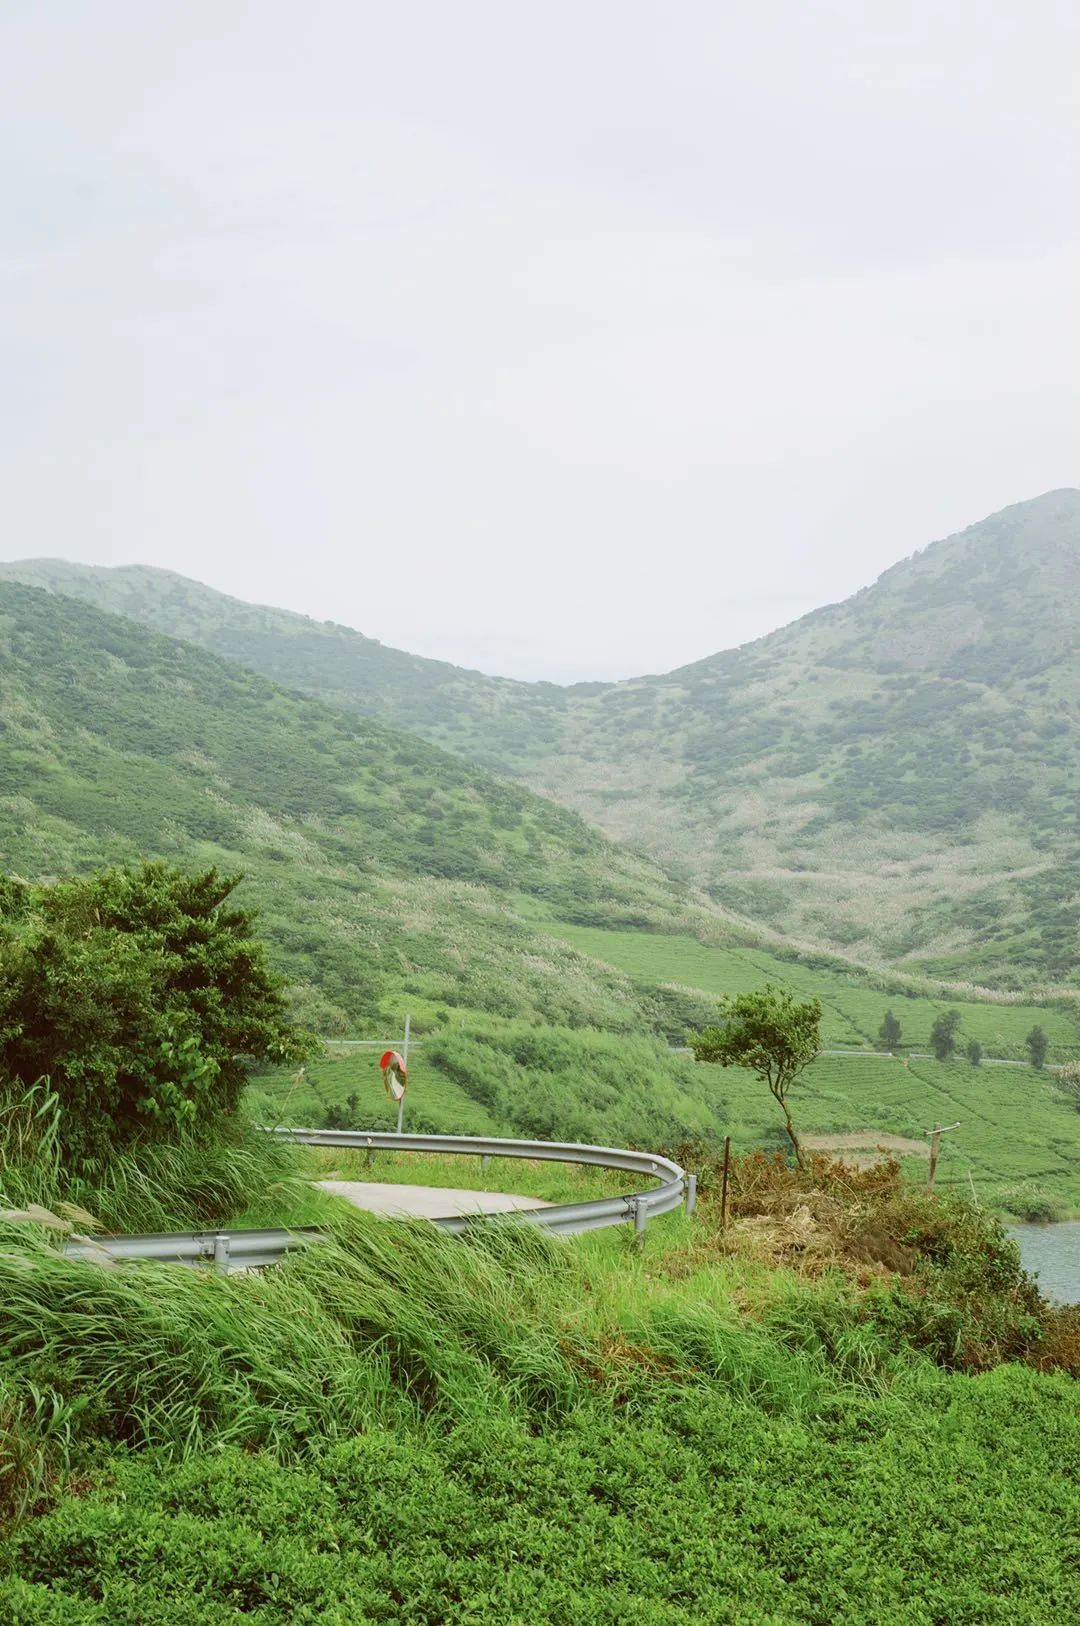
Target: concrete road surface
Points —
{"points": [[426, 1202]]}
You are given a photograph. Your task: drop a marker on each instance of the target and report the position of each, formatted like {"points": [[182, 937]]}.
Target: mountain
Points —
{"points": [[389, 874], [893, 777]]}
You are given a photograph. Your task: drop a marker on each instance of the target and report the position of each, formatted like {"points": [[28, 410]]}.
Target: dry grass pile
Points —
{"points": [[832, 1214]]}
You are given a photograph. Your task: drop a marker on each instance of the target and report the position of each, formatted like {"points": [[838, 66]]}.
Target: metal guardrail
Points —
{"points": [[251, 1250], [225, 1250]]}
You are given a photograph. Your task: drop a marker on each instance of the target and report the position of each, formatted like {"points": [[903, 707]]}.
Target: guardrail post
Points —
{"points": [[221, 1253], [691, 1194], [640, 1215], [485, 1160]]}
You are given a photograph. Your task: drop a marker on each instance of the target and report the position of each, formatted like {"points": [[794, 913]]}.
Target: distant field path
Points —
{"points": [[426, 1202], [863, 1142]]}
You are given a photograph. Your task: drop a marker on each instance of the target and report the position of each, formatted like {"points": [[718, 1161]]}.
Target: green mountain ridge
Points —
{"points": [[382, 866], [891, 777]]}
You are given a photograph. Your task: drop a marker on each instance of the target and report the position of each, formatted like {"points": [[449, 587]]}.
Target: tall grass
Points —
{"points": [[378, 1326], [179, 1186], [380, 1323]]}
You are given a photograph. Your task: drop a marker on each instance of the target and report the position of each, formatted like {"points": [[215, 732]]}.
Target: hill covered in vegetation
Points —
{"points": [[547, 969], [383, 869], [829, 1397], [889, 776]]}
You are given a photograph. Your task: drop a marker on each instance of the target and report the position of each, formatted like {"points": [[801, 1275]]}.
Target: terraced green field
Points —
{"points": [[1018, 1136], [853, 1011]]}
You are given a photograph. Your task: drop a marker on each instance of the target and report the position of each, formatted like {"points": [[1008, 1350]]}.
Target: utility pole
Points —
{"points": [[405, 1059], [935, 1146]]}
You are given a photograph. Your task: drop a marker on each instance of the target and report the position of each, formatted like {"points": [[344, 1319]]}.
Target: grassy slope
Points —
{"points": [[380, 864], [853, 1010], [409, 1428], [890, 775], [1019, 1136], [388, 874], [507, 1078], [1018, 1133]]}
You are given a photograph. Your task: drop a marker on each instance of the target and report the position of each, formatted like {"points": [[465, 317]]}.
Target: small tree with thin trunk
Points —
{"points": [[974, 1052], [1037, 1046], [889, 1032], [773, 1035]]}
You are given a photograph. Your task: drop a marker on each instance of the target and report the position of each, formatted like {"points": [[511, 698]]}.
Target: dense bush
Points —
{"points": [[138, 995], [558, 1084]]}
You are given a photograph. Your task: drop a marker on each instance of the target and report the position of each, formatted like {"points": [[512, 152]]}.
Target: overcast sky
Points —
{"points": [[567, 340]]}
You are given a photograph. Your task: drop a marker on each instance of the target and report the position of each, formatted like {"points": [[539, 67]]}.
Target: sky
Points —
{"points": [[567, 341]]}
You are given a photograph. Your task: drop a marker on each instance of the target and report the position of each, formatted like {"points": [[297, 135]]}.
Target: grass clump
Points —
{"points": [[184, 1184]]}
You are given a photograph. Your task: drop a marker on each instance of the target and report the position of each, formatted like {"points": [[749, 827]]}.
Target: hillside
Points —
{"points": [[892, 776], [384, 869]]}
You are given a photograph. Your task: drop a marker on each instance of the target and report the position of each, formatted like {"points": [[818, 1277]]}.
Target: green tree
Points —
{"points": [[889, 1032], [974, 1052], [1037, 1045], [943, 1034], [141, 995], [771, 1034]]}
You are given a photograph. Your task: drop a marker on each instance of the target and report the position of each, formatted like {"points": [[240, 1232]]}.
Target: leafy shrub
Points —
{"points": [[940, 1275], [1031, 1204], [138, 995]]}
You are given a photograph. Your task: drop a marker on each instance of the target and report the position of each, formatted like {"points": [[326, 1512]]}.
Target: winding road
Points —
{"points": [[426, 1202]]}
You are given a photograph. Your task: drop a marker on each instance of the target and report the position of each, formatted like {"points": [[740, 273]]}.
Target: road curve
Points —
{"points": [[426, 1202]]}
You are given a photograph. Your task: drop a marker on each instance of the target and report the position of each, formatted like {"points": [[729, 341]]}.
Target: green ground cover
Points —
{"points": [[852, 1011], [400, 1426]]}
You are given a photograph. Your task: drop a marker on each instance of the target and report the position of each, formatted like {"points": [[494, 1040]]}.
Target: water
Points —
{"points": [[1054, 1252]]}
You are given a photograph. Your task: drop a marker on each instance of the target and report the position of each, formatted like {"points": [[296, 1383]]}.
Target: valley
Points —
{"points": [[891, 778]]}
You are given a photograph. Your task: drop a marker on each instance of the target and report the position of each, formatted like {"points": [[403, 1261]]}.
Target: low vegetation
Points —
{"points": [[401, 1426]]}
